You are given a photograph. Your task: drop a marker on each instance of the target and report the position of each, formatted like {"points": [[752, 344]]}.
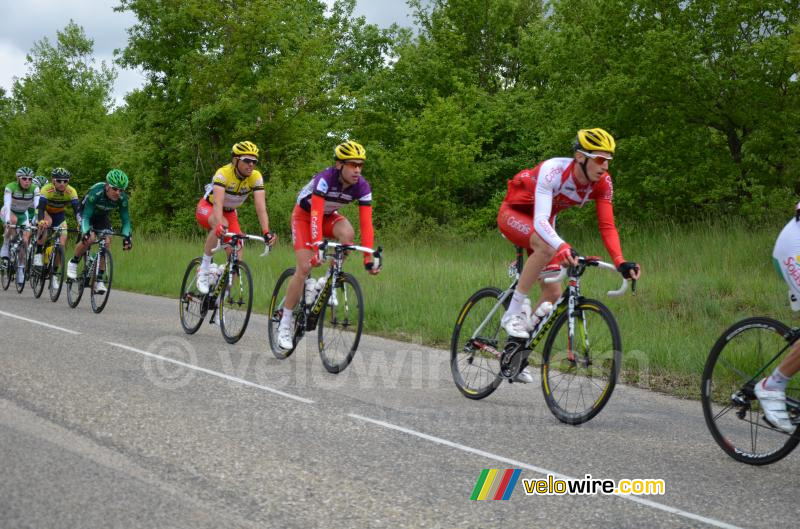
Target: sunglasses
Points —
{"points": [[28, 178], [597, 157], [249, 160], [60, 181], [115, 188], [355, 165]]}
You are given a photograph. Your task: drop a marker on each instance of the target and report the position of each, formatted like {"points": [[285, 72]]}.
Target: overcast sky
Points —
{"points": [[22, 23]]}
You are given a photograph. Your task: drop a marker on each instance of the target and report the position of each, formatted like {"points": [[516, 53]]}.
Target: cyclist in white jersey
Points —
{"points": [[771, 390]]}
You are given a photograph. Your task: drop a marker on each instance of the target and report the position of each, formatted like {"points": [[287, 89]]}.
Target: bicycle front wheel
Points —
{"points": [[191, 302], [38, 278], [477, 344], [340, 324], [742, 356], [21, 284], [5, 273], [75, 286], [276, 313], [236, 303], [57, 270], [579, 375], [104, 265]]}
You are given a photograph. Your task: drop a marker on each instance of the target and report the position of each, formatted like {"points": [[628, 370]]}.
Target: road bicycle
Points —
{"points": [[53, 269], [95, 267], [580, 359], [337, 311], [16, 251], [231, 295], [745, 353]]}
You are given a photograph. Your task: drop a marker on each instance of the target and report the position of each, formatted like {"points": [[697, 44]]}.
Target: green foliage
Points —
{"points": [[701, 95]]}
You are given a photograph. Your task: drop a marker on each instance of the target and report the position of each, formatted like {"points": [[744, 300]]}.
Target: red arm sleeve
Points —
{"points": [[317, 211], [608, 230], [367, 233]]}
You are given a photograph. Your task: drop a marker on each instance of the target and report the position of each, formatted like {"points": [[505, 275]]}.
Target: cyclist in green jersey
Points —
{"points": [[99, 202]]}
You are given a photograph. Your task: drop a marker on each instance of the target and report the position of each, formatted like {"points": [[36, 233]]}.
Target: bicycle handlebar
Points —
{"points": [[376, 253], [591, 262], [241, 237]]}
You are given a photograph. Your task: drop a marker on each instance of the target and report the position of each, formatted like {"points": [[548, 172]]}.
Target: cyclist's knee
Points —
{"points": [[540, 246], [551, 291]]}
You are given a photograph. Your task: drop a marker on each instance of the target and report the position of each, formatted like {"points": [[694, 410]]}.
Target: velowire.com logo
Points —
{"points": [[494, 484]]}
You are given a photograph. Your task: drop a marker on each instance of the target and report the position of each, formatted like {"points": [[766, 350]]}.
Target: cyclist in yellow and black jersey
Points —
{"points": [[229, 188], [54, 197]]}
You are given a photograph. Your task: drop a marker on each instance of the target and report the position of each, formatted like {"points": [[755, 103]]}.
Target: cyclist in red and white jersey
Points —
{"points": [[771, 390], [528, 214]]}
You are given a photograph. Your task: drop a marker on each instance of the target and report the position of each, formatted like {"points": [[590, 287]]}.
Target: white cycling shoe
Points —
{"points": [[55, 282], [72, 270], [202, 281], [285, 336], [774, 405], [99, 287], [515, 325], [524, 376]]}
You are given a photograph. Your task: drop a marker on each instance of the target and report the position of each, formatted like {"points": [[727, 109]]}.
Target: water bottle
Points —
{"points": [[311, 290], [541, 311], [215, 272]]}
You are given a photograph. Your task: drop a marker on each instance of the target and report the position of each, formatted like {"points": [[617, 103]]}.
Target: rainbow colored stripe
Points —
{"points": [[494, 484]]}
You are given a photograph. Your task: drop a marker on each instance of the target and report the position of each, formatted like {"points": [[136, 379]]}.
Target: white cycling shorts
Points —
{"points": [[786, 256]]}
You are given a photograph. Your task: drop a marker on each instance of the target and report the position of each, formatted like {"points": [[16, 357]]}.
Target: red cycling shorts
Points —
{"points": [[517, 227], [301, 227]]}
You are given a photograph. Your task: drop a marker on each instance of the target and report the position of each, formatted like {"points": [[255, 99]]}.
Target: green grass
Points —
{"points": [[697, 280]]}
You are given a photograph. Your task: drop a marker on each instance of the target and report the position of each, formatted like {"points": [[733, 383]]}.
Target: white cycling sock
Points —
{"points": [[777, 381], [515, 307], [206, 262], [286, 318]]}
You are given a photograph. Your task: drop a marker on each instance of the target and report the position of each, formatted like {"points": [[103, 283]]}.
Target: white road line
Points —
{"points": [[213, 373], [62, 329], [540, 470]]}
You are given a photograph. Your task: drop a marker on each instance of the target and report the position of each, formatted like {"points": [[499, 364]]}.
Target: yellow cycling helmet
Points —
{"points": [[349, 150], [595, 140], [244, 147]]}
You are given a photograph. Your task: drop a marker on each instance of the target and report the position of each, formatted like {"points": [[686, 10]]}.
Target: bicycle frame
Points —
{"points": [[231, 260], [566, 302], [311, 312]]}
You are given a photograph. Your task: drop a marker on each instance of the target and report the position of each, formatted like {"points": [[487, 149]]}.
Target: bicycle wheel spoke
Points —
{"points": [[236, 302]]}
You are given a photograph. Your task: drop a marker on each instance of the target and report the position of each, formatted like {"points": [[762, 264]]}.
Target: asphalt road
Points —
{"points": [[122, 420]]}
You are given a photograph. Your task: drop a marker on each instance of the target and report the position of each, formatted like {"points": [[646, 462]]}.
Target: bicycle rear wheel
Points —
{"points": [[276, 313], [578, 378], [105, 263], [477, 344], [56, 272], [191, 304], [741, 357], [75, 286], [236, 302], [340, 324]]}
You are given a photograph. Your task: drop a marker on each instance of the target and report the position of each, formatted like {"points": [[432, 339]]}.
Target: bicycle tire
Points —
{"points": [[38, 278], [236, 302], [727, 386], [20, 286], [592, 366], [75, 286], [478, 382], [6, 274], [338, 339], [191, 301], [276, 313], [99, 300], [56, 271]]}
